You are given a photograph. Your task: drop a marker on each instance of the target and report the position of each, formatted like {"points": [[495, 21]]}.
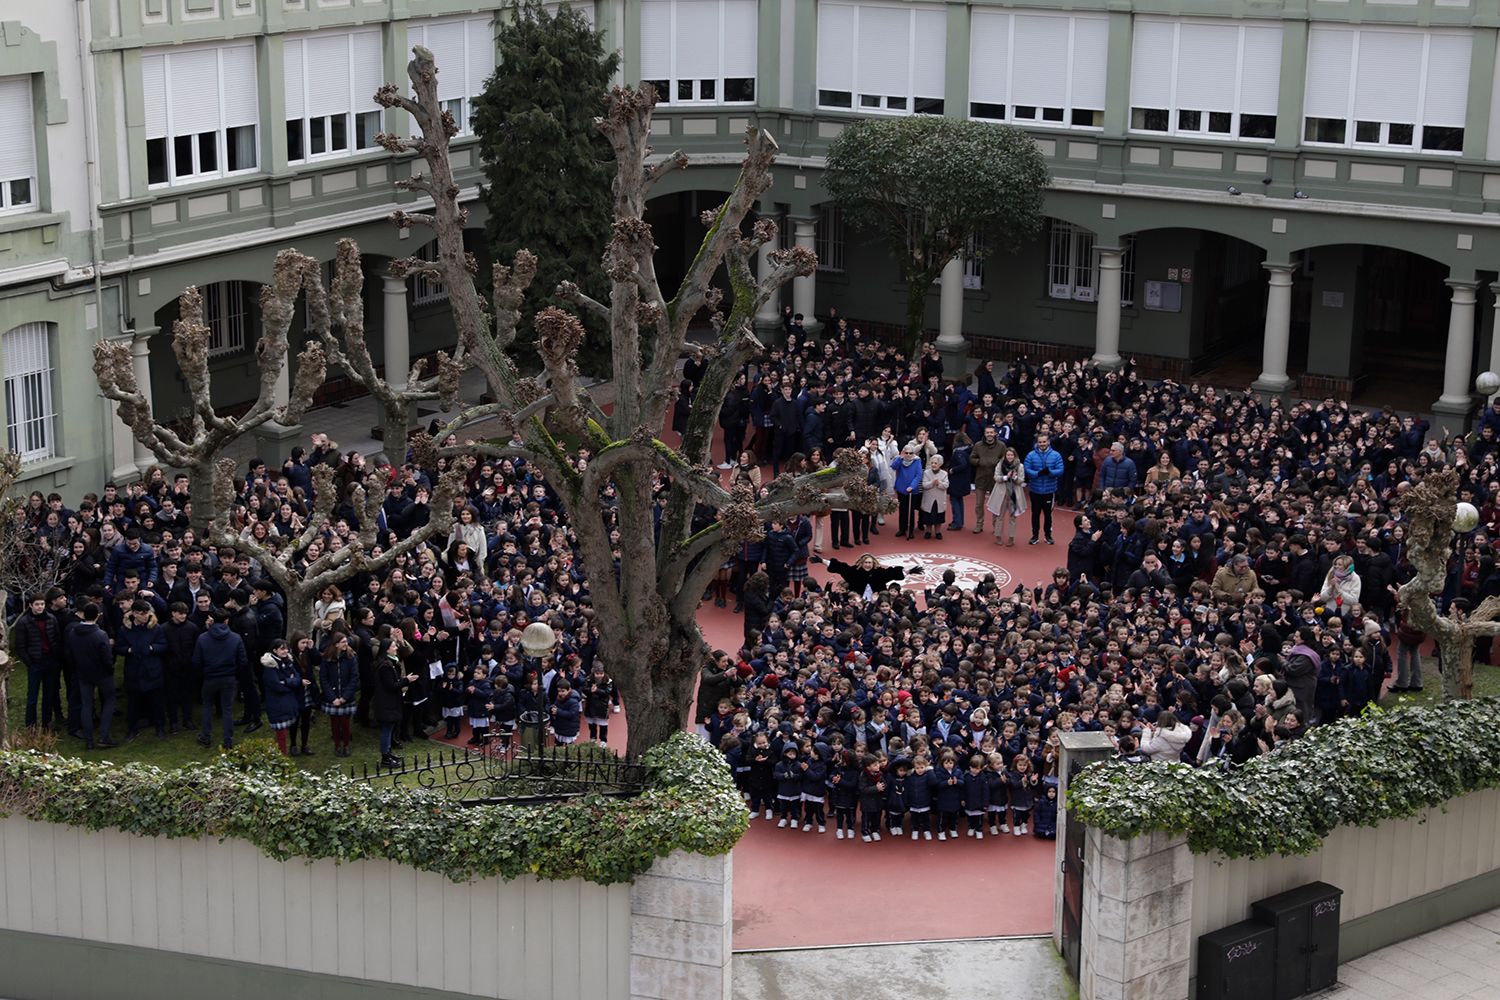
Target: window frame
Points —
{"points": [[427, 290], [1174, 112], [30, 399], [227, 317], [1310, 125], [222, 142], [1080, 261], [667, 89], [915, 104], [354, 121], [1038, 118], [9, 204], [830, 245], [463, 107]]}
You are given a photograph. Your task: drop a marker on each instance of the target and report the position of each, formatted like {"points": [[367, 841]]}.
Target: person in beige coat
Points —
{"points": [[934, 497], [985, 455], [1008, 499]]}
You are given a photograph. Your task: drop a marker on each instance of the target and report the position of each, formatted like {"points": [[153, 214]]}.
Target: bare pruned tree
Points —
{"points": [[201, 434], [646, 589]]}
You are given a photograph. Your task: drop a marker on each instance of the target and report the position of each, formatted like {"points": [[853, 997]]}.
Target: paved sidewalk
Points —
{"points": [[1458, 962], [1013, 968]]}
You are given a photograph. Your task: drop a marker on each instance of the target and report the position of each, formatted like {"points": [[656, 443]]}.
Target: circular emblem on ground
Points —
{"points": [[932, 565]]}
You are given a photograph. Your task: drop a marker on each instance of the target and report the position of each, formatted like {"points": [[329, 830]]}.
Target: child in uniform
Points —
{"points": [[1023, 782], [598, 694], [999, 794], [895, 795], [1045, 814], [844, 792], [947, 794], [976, 796], [872, 787], [478, 704], [451, 696], [788, 773], [761, 780], [814, 774]]}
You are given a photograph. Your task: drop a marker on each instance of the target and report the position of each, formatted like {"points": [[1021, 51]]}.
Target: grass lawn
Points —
{"points": [[183, 749], [1486, 684]]}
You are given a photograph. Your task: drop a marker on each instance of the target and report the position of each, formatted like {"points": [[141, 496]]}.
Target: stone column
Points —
{"points": [[1107, 319], [397, 333], [1495, 339], [1278, 332], [805, 290], [768, 316], [1454, 405], [140, 356], [1137, 917], [680, 924], [950, 339], [273, 440]]}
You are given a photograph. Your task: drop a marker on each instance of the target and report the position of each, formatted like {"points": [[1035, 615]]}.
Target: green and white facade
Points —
{"points": [[1314, 185]]}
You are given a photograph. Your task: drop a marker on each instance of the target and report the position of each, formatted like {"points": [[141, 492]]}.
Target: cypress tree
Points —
{"points": [[548, 169]]}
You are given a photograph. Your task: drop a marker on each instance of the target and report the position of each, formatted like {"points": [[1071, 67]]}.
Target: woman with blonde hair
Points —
{"points": [[1008, 499], [934, 497]]}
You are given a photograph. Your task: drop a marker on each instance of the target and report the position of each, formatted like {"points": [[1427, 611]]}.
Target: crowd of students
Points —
{"points": [[1229, 581]]}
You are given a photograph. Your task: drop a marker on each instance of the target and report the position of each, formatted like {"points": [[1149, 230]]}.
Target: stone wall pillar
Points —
{"points": [[1078, 750], [1107, 318], [681, 917], [1137, 918], [950, 339], [1278, 330], [805, 288]]}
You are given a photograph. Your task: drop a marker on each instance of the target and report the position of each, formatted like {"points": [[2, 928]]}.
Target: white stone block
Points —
{"points": [[1150, 914], [694, 867], [1157, 872], [658, 979], [1108, 957], [1164, 984], [679, 940], [671, 898], [1158, 950]]}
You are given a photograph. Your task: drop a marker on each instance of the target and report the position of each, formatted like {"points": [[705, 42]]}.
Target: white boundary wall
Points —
{"points": [[665, 937]]}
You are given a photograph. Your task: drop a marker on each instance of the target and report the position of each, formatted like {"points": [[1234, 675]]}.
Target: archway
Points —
{"points": [[676, 224], [231, 310]]}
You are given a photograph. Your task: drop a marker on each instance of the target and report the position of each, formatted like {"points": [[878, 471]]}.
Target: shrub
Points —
{"points": [[1356, 772]]}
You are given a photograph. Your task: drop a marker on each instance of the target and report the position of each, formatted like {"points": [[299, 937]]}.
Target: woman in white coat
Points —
{"points": [[1342, 584], [884, 452], [934, 496], [1008, 499]]}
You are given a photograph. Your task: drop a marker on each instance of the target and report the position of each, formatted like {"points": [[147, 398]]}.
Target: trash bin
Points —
{"points": [[1237, 962], [1306, 922]]}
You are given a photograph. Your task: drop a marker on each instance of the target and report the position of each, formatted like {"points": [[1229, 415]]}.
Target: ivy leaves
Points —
{"points": [[689, 804], [1356, 772]]}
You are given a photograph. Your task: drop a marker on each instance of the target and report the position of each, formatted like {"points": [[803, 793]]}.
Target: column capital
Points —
{"points": [[1463, 291], [393, 284], [1275, 267], [1111, 257]]}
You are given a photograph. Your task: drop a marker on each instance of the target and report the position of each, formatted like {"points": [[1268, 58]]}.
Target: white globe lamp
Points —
{"points": [[538, 639], [1487, 383], [1465, 518]]}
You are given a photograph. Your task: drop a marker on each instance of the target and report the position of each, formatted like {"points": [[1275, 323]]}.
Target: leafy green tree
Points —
{"points": [[926, 185], [547, 164]]}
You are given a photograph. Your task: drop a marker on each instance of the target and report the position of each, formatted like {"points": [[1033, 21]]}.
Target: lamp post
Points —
{"points": [[537, 642], [1488, 385]]}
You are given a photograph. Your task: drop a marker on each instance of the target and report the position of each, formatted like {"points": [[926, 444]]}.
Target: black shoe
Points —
{"points": [[203, 741], [306, 752], [738, 609], [293, 752], [390, 760], [77, 734], [1393, 689], [1032, 542], [252, 728], [927, 535], [940, 536], [1050, 541], [228, 744], [106, 743]]}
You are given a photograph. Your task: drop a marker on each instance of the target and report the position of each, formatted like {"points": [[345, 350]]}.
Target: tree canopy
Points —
{"points": [[927, 185], [547, 165]]}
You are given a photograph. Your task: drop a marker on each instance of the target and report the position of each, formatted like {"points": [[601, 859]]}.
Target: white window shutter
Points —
{"points": [[1330, 57], [884, 45], [989, 57], [1090, 62], [930, 53], [656, 40], [836, 32], [695, 36], [1260, 71], [1039, 73], [1388, 79], [446, 40], [293, 84], [1207, 55], [193, 76], [1446, 97], [328, 75], [369, 70], [1151, 64], [241, 93], [154, 91], [741, 38], [481, 44], [17, 135]]}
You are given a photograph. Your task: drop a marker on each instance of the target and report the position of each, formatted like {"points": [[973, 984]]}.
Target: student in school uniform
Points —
{"points": [[872, 788], [947, 794], [734, 755], [844, 793], [506, 710], [761, 780], [599, 694], [976, 797], [478, 704], [788, 773], [1044, 814], [999, 794], [895, 795], [814, 791], [565, 712], [919, 789], [1023, 786], [451, 696]]}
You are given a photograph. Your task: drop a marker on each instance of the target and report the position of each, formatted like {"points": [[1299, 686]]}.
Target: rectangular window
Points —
{"points": [[465, 54], [202, 113], [330, 82], [1073, 271], [28, 391], [427, 290], [884, 59], [224, 315], [17, 146], [1044, 69], [1397, 89], [830, 238], [700, 51], [1210, 80]]}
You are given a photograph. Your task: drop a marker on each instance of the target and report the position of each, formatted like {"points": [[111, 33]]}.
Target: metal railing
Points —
{"points": [[489, 776]]}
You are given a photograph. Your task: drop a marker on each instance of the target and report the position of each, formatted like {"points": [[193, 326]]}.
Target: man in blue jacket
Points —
{"points": [[132, 553], [1117, 471], [1044, 467], [219, 656]]}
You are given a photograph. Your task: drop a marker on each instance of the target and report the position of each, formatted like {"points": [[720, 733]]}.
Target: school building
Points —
{"points": [[1297, 192]]}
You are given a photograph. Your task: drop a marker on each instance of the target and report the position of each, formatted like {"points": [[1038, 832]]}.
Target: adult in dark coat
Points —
{"points": [[219, 656], [715, 682], [38, 642], [1301, 671], [87, 649], [390, 685], [866, 574]]}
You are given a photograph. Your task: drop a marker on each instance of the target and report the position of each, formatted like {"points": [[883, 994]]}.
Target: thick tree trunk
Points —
{"points": [[658, 695], [916, 314], [395, 419], [201, 492], [299, 615]]}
